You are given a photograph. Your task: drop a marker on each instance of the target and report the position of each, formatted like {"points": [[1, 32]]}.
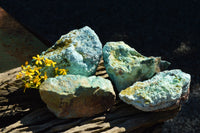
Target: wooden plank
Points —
{"points": [[15, 104], [17, 44], [35, 117]]}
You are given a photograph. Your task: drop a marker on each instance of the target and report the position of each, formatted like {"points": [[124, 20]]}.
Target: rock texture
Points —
{"points": [[20, 113], [79, 51], [73, 96], [162, 91], [125, 65]]}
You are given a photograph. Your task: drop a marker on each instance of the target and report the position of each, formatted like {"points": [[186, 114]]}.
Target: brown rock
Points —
{"points": [[73, 96]]}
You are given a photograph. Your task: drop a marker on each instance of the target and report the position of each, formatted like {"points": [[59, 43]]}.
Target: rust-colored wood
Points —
{"points": [[17, 44], [25, 112]]}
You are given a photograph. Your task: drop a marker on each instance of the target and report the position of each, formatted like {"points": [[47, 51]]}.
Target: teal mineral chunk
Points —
{"points": [[125, 65], [79, 51], [159, 92], [73, 96]]}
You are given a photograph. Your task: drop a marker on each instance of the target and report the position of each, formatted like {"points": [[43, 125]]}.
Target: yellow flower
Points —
{"points": [[27, 85], [26, 63], [38, 84], [49, 62], [23, 67], [31, 71], [33, 78], [38, 60], [27, 73], [36, 69], [19, 75], [56, 70], [45, 76], [28, 67], [53, 63], [37, 81], [63, 71]]}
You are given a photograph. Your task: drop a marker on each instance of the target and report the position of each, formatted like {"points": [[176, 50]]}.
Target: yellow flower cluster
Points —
{"points": [[31, 75]]}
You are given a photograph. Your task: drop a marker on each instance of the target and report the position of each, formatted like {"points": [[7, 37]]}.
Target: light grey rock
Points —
{"points": [[125, 65], [73, 96], [162, 91], [79, 51]]}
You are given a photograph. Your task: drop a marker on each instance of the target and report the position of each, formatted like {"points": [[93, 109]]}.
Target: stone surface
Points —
{"points": [[73, 96], [79, 51], [125, 65], [159, 92]]}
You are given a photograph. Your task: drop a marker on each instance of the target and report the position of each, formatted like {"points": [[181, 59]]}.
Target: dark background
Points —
{"points": [[170, 29]]}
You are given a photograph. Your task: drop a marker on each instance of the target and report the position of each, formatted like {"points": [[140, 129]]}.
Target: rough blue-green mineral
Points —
{"points": [[73, 96], [159, 92], [79, 51], [125, 65]]}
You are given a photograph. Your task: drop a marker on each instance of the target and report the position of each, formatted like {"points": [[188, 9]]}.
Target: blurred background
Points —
{"points": [[170, 29]]}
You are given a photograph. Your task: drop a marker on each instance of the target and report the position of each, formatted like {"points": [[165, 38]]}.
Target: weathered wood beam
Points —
{"points": [[17, 44]]}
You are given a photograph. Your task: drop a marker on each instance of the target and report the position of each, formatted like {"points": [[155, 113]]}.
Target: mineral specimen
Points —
{"points": [[73, 96], [79, 51], [125, 65], [159, 92]]}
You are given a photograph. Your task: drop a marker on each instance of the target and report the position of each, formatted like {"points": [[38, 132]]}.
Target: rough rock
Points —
{"points": [[162, 91], [79, 51], [125, 65], [73, 96]]}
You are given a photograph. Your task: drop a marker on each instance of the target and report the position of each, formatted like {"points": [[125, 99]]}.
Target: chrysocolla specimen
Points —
{"points": [[79, 52], [125, 65], [159, 92], [74, 96]]}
